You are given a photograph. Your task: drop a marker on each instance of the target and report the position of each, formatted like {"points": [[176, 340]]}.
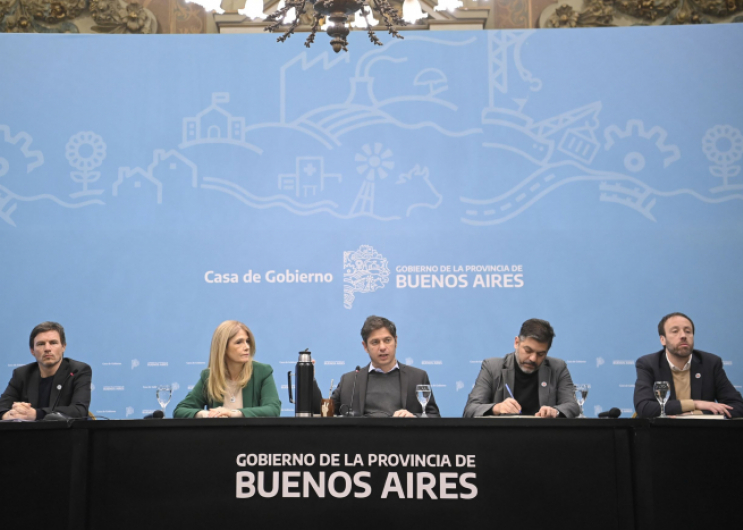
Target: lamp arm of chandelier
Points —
{"points": [[315, 26], [390, 16], [278, 15], [369, 31]]}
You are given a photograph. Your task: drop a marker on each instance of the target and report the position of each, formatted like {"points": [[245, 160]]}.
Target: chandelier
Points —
{"points": [[337, 13]]}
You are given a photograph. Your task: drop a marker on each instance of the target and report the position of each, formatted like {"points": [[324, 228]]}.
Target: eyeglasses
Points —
{"points": [[376, 342]]}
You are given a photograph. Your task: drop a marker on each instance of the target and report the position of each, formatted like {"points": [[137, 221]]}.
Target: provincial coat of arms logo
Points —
{"points": [[365, 271]]}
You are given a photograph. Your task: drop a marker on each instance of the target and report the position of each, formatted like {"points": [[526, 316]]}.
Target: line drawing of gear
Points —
{"points": [[635, 161], [25, 148], [22, 141]]}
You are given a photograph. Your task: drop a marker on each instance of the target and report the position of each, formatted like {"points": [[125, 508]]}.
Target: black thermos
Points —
{"points": [[305, 376]]}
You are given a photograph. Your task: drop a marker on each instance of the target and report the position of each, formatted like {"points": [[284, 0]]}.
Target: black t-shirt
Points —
{"points": [[526, 391], [45, 393]]}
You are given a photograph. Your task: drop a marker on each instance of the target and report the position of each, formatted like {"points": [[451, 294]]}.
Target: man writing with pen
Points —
{"points": [[526, 381]]}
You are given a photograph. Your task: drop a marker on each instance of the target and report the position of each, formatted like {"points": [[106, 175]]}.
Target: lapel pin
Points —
{"points": [[544, 383], [698, 375], [59, 387]]}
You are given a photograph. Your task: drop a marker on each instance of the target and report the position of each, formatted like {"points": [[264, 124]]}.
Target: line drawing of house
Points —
{"points": [[309, 179], [135, 177], [214, 125], [164, 163]]}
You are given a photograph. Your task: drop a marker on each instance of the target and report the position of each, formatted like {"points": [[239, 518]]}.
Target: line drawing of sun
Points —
{"points": [[374, 161]]}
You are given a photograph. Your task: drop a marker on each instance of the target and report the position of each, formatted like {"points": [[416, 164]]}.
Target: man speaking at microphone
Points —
{"points": [[52, 383], [526, 381], [385, 387]]}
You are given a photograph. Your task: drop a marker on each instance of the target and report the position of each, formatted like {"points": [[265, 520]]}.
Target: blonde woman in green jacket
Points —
{"points": [[234, 385]]}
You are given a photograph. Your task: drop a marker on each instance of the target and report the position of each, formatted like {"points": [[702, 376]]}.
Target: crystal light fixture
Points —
{"points": [[362, 22], [448, 5], [411, 11], [336, 13], [254, 9]]}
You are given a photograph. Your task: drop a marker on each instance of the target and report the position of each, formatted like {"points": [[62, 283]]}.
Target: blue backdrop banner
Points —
{"points": [[457, 183]]}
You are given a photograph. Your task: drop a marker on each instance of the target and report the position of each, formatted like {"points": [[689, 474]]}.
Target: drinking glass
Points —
{"points": [[581, 393], [424, 394], [164, 392], [662, 391]]}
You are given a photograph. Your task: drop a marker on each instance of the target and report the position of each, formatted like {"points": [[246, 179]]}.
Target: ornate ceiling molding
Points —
{"points": [[593, 13], [75, 16]]}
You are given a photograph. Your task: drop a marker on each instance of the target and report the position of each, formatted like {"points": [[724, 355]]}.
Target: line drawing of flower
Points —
{"points": [[373, 161], [79, 141], [85, 151], [723, 146]]}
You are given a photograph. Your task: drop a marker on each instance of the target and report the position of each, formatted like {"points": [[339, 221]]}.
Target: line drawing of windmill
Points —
{"points": [[373, 163]]}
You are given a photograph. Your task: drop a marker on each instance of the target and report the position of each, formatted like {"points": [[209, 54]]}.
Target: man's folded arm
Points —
{"points": [[11, 395], [726, 392]]}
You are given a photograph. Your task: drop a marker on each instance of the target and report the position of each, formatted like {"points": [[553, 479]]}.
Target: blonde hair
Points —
{"points": [[216, 387]]}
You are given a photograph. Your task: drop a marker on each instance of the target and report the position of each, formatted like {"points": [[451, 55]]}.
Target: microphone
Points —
{"points": [[56, 416], [157, 415], [353, 392], [611, 413]]}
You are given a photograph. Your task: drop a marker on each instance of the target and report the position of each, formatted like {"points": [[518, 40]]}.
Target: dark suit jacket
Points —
{"points": [[708, 383], [75, 394], [555, 390], [409, 378]]}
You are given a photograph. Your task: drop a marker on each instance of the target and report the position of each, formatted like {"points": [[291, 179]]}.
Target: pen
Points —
{"points": [[511, 394]]}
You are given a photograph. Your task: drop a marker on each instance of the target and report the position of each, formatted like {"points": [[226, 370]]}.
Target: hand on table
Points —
{"points": [[715, 408], [219, 412], [509, 406], [547, 412], [21, 411]]}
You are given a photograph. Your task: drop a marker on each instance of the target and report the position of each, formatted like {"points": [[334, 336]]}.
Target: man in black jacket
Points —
{"points": [[698, 381], [52, 383]]}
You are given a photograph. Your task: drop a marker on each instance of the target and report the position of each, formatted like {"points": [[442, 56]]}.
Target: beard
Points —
{"points": [[527, 369], [676, 350]]}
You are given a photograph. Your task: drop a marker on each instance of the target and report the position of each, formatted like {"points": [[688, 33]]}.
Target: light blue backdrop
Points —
{"points": [[601, 168]]}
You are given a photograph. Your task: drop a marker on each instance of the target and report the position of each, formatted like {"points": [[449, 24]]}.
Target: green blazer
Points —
{"points": [[260, 398]]}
